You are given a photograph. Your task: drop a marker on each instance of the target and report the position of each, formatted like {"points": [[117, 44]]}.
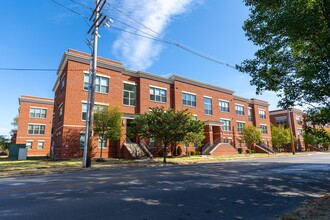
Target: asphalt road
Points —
{"points": [[258, 189]]}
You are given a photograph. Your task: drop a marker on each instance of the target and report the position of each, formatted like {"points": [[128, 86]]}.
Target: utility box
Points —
{"points": [[14, 150], [22, 153]]}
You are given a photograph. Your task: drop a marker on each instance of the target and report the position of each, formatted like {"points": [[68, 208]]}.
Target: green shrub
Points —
{"points": [[247, 151], [240, 150], [197, 153], [192, 153], [179, 150]]}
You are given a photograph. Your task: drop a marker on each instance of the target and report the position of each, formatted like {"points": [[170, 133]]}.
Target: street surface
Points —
{"points": [[251, 189]]}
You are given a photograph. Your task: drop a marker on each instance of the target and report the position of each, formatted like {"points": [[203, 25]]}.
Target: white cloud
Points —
{"points": [[140, 53]]}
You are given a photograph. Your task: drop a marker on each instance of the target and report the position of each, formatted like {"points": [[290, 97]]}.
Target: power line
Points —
{"points": [[73, 11], [173, 42], [81, 4]]}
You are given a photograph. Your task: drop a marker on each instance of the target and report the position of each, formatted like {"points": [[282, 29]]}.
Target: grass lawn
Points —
{"points": [[205, 158], [42, 166]]}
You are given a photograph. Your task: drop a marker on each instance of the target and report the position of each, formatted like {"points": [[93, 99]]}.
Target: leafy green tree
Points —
{"points": [[107, 124], [251, 135], [4, 142], [316, 136], [280, 136], [194, 133], [167, 127], [294, 55]]}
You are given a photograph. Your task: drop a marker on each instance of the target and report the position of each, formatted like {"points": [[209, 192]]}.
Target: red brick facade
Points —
{"points": [[70, 96], [35, 124], [280, 117]]}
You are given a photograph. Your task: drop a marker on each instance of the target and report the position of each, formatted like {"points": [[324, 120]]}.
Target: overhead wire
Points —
{"points": [[73, 11], [175, 43]]}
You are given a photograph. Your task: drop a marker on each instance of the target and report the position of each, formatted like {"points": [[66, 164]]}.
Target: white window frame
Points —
{"points": [[33, 129], [208, 106], [153, 90], [220, 106], [43, 145], [129, 98], [193, 102], [40, 113]]}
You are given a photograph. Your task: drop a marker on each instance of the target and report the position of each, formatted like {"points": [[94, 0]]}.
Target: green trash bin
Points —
{"points": [[14, 150]]}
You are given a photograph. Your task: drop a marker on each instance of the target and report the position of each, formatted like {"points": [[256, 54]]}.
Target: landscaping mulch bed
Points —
{"points": [[315, 209]]}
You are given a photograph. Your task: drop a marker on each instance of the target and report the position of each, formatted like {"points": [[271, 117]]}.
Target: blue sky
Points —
{"points": [[36, 33]]}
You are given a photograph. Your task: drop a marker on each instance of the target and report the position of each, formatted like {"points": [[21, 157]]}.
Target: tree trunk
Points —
{"points": [[164, 152]]}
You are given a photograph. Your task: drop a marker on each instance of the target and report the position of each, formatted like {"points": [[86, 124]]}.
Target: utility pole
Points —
{"points": [[94, 30], [291, 133]]}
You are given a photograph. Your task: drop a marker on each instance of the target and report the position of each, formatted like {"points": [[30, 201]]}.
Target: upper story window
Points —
{"points": [[281, 120], [62, 84], [298, 120], [60, 116], [225, 124], [189, 99], [84, 110], [101, 83], [250, 114], [263, 129], [262, 114], [224, 106], [129, 94], [239, 109], [36, 129], [240, 127], [207, 106], [38, 112], [157, 94], [299, 132]]}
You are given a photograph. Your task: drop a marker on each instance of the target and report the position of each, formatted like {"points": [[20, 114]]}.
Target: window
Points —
{"points": [[129, 97], [102, 143], [62, 84], [239, 109], [281, 120], [250, 114], [263, 129], [189, 99], [29, 144], [262, 114], [82, 140], [224, 106], [157, 95], [299, 132], [36, 129], [152, 142], [194, 117], [208, 106], [38, 113], [230, 141], [101, 83], [84, 110], [240, 127], [225, 124], [60, 116], [41, 145], [298, 120]]}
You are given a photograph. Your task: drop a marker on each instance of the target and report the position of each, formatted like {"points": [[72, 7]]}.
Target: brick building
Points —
{"points": [[280, 117], [223, 113], [35, 124]]}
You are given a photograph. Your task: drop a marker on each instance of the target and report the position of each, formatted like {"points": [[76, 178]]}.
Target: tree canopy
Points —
{"points": [[280, 136], [251, 135], [168, 126], [294, 55], [107, 124]]}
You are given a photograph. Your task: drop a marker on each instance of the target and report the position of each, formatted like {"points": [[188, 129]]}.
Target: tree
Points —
{"points": [[167, 127], [107, 124], [280, 136], [194, 133], [251, 135], [294, 55], [4, 142], [316, 136], [13, 131]]}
